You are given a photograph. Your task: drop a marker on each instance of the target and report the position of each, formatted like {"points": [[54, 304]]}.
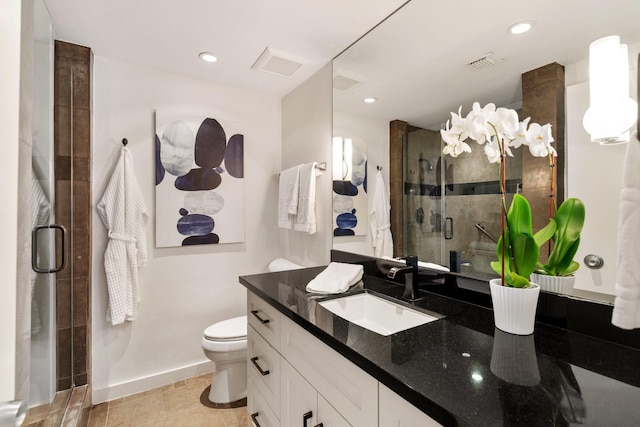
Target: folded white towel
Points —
{"points": [[336, 278], [281, 264], [305, 220], [626, 311], [288, 193]]}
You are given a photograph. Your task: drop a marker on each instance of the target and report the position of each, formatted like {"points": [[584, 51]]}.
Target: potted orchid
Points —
{"points": [[518, 248]]}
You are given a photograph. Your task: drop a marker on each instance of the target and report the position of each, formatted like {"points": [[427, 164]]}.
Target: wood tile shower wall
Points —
{"points": [[72, 149]]}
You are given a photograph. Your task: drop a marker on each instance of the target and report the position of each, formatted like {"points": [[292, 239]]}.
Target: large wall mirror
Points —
{"points": [[428, 59]]}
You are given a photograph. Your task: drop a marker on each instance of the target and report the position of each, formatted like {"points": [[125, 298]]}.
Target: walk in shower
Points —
{"points": [[451, 206]]}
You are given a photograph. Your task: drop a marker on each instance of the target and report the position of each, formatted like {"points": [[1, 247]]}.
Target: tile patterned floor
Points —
{"points": [[175, 405]]}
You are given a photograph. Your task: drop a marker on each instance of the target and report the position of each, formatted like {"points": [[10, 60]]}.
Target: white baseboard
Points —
{"points": [[139, 385]]}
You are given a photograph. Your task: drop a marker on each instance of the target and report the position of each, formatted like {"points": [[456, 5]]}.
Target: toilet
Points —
{"points": [[225, 343]]}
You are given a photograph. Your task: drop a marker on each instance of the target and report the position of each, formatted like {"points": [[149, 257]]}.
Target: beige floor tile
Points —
{"points": [[54, 419], [137, 412], [236, 417], [98, 415], [60, 400], [183, 397], [196, 417]]}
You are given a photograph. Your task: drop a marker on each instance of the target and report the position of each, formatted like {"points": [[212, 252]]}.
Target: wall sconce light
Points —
{"points": [[611, 112], [342, 158]]}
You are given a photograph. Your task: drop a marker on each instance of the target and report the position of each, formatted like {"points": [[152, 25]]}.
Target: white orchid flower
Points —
{"points": [[478, 122], [455, 146], [492, 150], [539, 140], [505, 122], [521, 134]]}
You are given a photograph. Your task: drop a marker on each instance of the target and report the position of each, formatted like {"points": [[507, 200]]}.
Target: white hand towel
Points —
{"points": [[305, 220], [288, 192], [281, 264], [380, 220], [336, 278], [626, 311]]}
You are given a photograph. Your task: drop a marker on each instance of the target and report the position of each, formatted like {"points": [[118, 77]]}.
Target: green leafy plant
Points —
{"points": [[569, 220], [522, 247]]}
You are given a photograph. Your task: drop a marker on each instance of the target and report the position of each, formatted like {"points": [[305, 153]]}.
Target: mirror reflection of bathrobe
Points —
{"points": [[380, 220], [124, 214]]}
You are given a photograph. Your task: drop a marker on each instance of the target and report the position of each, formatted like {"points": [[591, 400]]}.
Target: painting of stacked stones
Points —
{"points": [[199, 181], [350, 213]]}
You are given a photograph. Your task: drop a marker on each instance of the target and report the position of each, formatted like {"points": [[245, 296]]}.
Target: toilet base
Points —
{"points": [[229, 383]]}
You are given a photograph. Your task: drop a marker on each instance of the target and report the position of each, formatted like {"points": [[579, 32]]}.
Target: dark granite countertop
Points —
{"points": [[460, 370]]}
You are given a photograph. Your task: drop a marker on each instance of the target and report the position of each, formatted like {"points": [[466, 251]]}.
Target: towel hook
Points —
{"points": [[124, 141]]}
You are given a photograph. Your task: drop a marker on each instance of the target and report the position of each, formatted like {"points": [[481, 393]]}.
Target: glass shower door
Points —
{"points": [[45, 234]]}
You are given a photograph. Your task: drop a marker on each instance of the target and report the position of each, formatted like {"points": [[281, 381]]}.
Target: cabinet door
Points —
{"points": [[263, 367], [260, 413], [350, 390], [299, 399], [328, 416], [397, 412]]}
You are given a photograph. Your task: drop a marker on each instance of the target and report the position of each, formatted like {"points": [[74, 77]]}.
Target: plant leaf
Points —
{"points": [[519, 281], [546, 233], [569, 222]]}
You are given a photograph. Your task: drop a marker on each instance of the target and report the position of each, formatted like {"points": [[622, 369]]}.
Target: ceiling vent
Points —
{"points": [[344, 81], [487, 60], [278, 63]]}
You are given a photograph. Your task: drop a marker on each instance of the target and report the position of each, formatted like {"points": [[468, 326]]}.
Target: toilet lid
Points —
{"points": [[230, 329]]}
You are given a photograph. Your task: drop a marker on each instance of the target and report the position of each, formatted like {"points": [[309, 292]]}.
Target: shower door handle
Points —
{"points": [[448, 228], [34, 248]]}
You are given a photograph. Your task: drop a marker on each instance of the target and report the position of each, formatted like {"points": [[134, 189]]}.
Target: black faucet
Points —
{"points": [[410, 273]]}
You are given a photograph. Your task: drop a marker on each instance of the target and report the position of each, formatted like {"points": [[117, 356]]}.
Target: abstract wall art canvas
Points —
{"points": [[350, 213], [199, 180]]}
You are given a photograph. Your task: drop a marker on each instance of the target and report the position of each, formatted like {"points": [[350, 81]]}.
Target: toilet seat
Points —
{"points": [[226, 336], [228, 330]]}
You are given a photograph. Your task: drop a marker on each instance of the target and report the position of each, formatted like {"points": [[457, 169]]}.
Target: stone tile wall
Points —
{"points": [[72, 148]]}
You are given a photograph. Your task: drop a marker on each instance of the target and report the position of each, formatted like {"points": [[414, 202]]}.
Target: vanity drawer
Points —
{"points": [[346, 387], [257, 408], [264, 318], [263, 368]]}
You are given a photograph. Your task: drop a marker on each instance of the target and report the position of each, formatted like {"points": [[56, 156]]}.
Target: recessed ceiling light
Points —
{"points": [[521, 27], [208, 57], [370, 100]]}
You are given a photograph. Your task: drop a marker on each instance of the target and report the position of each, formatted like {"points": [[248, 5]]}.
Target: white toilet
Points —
{"points": [[225, 343]]}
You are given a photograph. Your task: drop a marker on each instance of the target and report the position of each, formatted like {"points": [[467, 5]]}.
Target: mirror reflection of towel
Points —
{"points": [[40, 210]]}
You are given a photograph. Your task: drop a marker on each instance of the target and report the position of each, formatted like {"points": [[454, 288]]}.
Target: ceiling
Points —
{"points": [[168, 35], [415, 62]]}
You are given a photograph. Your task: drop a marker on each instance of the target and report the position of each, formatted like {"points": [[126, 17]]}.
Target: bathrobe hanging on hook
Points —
{"points": [[124, 214]]}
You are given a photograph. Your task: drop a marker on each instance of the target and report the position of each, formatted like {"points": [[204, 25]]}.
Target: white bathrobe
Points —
{"points": [[380, 220], [626, 311], [123, 213]]}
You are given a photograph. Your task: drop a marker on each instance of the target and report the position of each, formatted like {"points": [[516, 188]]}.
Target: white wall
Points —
{"points": [[9, 116], [306, 137], [374, 135], [184, 289]]}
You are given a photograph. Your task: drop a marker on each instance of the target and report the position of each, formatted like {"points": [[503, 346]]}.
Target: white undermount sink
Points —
{"points": [[376, 314]]}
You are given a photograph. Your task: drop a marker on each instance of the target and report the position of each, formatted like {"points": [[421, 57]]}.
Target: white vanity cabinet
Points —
{"points": [[302, 405], [309, 384], [397, 412]]}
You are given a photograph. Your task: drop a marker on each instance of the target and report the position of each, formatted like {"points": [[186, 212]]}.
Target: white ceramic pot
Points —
{"points": [[514, 309], [555, 284]]}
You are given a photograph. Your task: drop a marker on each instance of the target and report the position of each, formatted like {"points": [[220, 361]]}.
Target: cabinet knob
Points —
{"points": [[254, 418], [257, 316], [254, 360], [306, 417]]}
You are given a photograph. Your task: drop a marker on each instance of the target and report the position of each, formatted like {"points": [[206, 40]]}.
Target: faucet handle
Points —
{"points": [[411, 260]]}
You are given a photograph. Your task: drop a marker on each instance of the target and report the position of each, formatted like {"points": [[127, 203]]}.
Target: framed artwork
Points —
{"points": [[199, 180], [350, 206]]}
